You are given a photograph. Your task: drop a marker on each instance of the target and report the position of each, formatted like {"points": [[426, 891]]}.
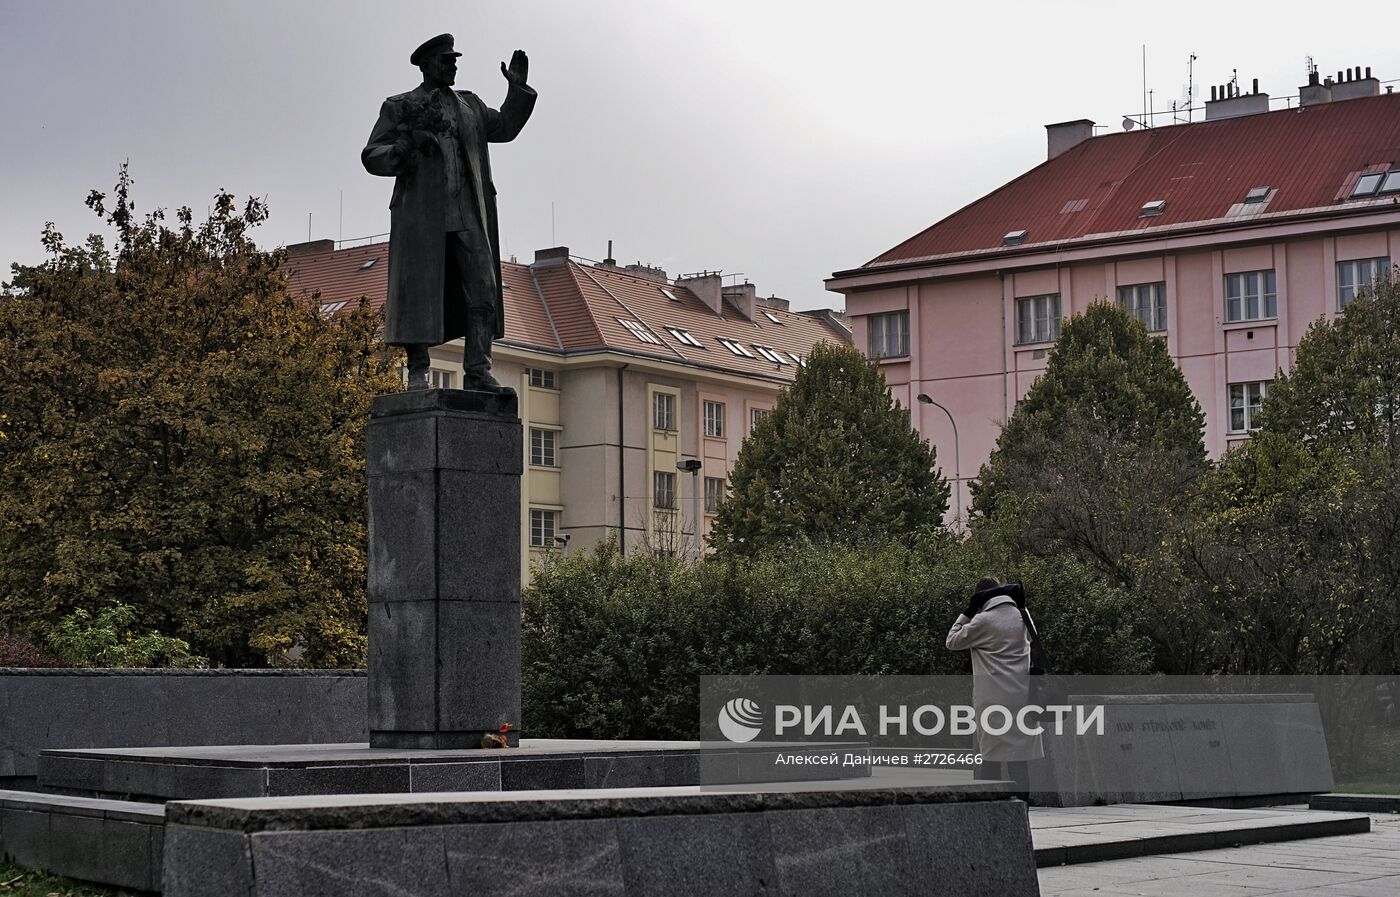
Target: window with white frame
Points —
{"points": [[543, 527], [542, 447], [1251, 296], [1359, 274], [770, 353], [889, 334], [663, 489], [714, 419], [639, 330], [440, 379], [685, 337], [714, 493], [542, 379], [1038, 319], [663, 411], [757, 416], [1246, 399], [736, 348], [1147, 302]]}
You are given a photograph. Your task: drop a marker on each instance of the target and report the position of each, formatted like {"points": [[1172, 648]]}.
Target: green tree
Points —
{"points": [[180, 435], [836, 461], [1100, 456], [1295, 546]]}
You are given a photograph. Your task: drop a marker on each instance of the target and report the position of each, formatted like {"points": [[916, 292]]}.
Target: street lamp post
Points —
{"points": [[957, 454], [692, 466]]}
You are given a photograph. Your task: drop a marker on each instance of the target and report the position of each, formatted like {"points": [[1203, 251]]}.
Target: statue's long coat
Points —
{"points": [[418, 310]]}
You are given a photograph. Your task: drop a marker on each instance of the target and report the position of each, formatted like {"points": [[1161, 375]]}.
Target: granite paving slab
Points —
{"points": [[1089, 834]]}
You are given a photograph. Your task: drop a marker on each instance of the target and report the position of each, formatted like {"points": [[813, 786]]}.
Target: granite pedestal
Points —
{"points": [[444, 470], [162, 774]]}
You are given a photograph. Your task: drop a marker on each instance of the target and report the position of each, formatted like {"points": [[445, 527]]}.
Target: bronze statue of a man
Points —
{"points": [[444, 251]]}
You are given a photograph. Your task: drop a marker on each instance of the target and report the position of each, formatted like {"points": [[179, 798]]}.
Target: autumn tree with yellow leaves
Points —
{"points": [[180, 435]]}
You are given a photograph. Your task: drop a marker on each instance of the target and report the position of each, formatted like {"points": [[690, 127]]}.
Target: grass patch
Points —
{"points": [[17, 882]]}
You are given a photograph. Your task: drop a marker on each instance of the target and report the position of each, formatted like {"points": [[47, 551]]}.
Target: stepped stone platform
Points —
{"points": [[879, 835], [1090, 834], [235, 771]]}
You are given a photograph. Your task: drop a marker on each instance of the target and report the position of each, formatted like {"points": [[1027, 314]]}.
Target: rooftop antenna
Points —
{"points": [[552, 240], [1190, 86], [342, 217], [308, 227], [1145, 122]]}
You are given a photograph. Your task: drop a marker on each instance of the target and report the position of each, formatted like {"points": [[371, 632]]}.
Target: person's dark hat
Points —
{"points": [[436, 46]]}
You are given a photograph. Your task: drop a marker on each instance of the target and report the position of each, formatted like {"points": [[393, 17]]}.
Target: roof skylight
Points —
{"points": [[669, 295], [1152, 209], [1014, 238], [331, 308], [368, 263], [685, 337], [639, 331], [1257, 194], [797, 358], [774, 318], [1391, 182], [768, 353], [1368, 184], [736, 348]]}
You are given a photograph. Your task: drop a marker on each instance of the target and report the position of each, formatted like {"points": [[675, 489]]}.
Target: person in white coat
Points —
{"points": [[992, 629]]}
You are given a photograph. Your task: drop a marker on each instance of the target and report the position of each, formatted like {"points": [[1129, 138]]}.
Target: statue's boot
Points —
{"points": [[476, 356], [418, 363]]}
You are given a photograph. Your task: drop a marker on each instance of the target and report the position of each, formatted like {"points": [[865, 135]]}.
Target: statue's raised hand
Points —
{"points": [[519, 69]]}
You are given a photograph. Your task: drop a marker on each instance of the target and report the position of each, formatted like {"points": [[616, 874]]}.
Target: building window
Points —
{"points": [[1038, 319], [1147, 302], [1245, 401], [543, 525], [714, 419], [542, 379], [440, 379], [714, 493], [542, 445], [757, 416], [663, 489], [772, 355], [1357, 275], [685, 337], [663, 411], [736, 348], [1251, 296], [889, 334], [637, 329]]}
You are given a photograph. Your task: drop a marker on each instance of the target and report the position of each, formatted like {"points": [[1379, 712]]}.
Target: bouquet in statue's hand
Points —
{"points": [[422, 121]]}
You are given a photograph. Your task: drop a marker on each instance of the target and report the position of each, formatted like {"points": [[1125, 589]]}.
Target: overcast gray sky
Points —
{"points": [[775, 140]]}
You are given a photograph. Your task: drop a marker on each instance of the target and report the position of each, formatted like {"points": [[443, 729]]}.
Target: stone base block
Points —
{"points": [[862, 839]]}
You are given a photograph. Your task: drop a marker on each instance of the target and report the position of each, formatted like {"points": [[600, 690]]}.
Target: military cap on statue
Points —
{"points": [[436, 46]]}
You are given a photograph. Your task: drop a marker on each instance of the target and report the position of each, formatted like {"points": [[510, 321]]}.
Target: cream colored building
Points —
{"points": [[626, 380]]}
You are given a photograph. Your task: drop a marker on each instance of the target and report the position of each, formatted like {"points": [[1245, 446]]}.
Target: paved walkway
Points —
{"points": [[1361, 865]]}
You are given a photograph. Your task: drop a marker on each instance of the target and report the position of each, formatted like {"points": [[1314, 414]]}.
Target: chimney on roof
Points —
{"points": [[1350, 85], [547, 258], [610, 261], [1226, 101], [1356, 85], [742, 297], [707, 287], [1067, 134], [315, 247], [773, 302], [834, 319], [647, 272]]}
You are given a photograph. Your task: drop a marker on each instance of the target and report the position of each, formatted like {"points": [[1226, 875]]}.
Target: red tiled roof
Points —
{"points": [[573, 307], [1311, 156]]}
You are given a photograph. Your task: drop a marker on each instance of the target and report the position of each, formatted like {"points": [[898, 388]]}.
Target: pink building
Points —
{"points": [[1227, 237]]}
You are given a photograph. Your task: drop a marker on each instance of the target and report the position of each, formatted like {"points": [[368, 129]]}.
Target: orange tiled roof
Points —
{"points": [[570, 307]]}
